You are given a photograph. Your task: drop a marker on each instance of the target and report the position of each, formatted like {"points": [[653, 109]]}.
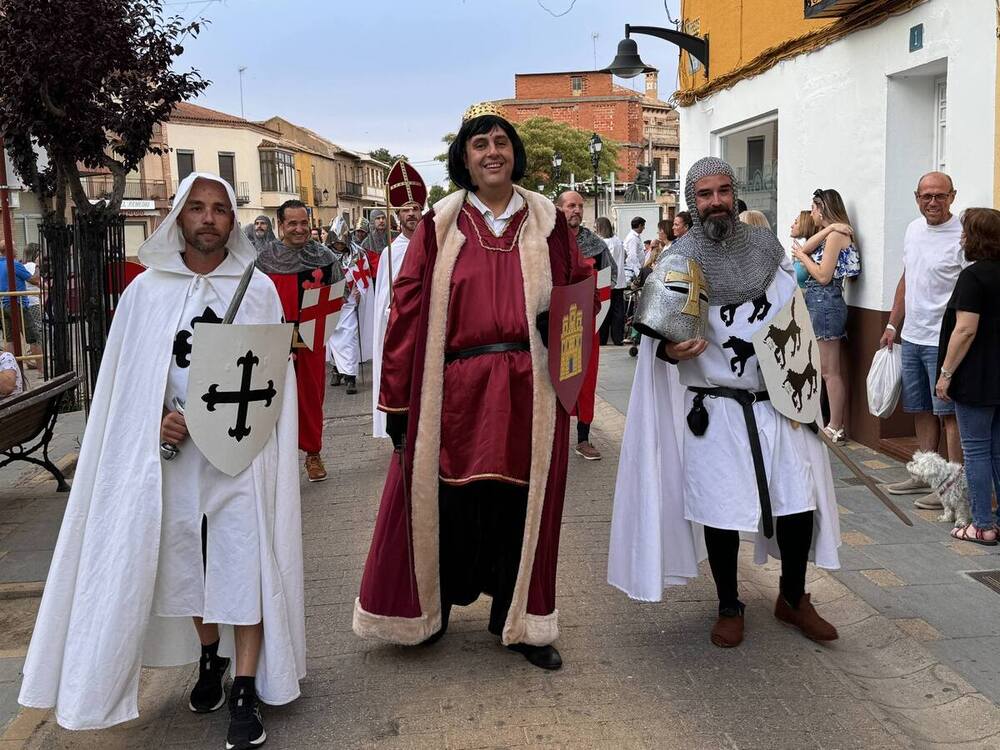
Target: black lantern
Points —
{"points": [[628, 64], [595, 160], [556, 167]]}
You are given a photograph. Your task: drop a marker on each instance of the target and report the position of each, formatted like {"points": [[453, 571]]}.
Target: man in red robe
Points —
{"points": [[295, 263], [473, 504]]}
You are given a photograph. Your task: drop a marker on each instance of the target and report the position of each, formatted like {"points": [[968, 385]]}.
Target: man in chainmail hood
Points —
{"points": [[260, 233], [718, 460], [377, 238]]}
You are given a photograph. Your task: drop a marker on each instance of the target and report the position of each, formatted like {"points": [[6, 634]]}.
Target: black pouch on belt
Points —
{"points": [[697, 418]]}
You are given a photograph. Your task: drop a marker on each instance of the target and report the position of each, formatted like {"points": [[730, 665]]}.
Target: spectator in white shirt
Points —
{"points": [[932, 261], [635, 253]]}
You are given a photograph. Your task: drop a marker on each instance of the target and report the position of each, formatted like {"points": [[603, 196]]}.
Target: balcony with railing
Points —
{"points": [[350, 190], [101, 187]]}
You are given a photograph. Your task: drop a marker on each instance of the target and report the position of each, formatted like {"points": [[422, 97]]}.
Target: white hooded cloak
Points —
{"points": [[95, 627]]}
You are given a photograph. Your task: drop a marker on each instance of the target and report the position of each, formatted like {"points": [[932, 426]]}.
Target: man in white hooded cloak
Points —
{"points": [[148, 544]]}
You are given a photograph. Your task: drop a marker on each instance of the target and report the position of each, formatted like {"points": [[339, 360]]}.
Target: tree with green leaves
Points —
{"points": [[385, 156], [542, 138], [86, 81]]}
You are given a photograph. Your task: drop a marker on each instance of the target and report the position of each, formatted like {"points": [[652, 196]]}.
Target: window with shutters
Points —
{"points": [[185, 164], [227, 167]]}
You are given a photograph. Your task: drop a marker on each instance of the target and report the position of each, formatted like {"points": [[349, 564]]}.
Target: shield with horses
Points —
{"points": [[788, 354]]}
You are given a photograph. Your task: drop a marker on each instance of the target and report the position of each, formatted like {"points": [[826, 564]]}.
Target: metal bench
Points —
{"points": [[28, 420]]}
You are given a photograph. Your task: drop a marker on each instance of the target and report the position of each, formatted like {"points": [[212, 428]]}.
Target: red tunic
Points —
{"points": [[486, 411], [310, 366]]}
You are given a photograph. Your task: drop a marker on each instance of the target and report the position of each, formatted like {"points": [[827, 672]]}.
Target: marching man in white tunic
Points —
{"points": [[408, 193], [350, 343], [154, 535], [719, 457]]}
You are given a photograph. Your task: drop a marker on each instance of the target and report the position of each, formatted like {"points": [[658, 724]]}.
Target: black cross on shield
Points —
{"points": [[235, 388]]}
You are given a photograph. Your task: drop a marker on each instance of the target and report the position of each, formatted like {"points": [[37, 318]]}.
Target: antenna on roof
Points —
{"points": [[593, 38], [241, 69]]}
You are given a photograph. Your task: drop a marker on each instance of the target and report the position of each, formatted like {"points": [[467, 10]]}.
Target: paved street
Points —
{"points": [[916, 666]]}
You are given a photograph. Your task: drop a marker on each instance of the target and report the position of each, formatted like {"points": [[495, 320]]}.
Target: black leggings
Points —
{"points": [[794, 535]]}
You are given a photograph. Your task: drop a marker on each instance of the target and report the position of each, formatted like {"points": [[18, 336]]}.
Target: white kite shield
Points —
{"points": [[235, 388], [604, 293], [789, 361]]}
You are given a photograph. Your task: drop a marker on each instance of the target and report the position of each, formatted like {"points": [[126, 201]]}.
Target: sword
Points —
{"points": [[169, 451], [856, 471]]}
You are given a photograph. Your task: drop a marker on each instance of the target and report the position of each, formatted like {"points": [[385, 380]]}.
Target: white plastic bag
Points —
{"points": [[885, 381]]}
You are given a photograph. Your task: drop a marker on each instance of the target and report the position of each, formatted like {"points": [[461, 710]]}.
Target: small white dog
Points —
{"points": [[948, 480]]}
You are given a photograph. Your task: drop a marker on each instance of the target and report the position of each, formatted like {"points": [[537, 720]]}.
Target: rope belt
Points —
{"points": [[698, 422], [510, 346]]}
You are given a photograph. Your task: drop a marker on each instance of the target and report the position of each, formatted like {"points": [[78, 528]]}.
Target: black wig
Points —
{"points": [[459, 173]]}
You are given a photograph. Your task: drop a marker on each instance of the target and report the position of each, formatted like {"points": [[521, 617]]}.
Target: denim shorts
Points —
{"points": [[920, 374], [827, 309]]}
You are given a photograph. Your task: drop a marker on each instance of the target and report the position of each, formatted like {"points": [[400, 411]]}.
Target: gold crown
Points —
{"points": [[483, 108]]}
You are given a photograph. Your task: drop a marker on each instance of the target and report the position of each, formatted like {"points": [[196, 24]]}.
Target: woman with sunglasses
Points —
{"points": [[829, 257]]}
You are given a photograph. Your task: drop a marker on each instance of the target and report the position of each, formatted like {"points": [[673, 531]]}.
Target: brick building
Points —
{"points": [[644, 127]]}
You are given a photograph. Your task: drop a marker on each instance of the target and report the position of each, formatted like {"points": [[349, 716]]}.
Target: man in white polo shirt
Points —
{"points": [[932, 260]]}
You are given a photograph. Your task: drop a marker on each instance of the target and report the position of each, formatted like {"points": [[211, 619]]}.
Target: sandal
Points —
{"points": [[961, 533], [836, 436]]}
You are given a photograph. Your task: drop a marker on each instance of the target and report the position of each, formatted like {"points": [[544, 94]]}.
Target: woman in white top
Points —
{"points": [[11, 383]]}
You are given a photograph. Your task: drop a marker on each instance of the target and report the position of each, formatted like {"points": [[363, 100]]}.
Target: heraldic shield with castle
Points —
{"points": [[571, 337]]}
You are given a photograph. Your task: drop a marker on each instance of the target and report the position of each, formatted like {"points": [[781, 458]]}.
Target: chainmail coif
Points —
{"points": [[738, 268]]}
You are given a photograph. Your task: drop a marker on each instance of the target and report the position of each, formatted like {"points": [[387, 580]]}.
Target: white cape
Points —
{"points": [[652, 544], [94, 628], [381, 308]]}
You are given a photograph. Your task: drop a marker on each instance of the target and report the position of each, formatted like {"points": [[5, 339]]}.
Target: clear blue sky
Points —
{"points": [[400, 74]]}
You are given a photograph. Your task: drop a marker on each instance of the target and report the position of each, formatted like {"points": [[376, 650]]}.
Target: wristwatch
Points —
{"points": [[946, 374]]}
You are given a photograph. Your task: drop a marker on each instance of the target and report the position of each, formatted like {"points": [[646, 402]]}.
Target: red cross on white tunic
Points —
{"points": [[319, 313], [604, 294], [361, 273]]}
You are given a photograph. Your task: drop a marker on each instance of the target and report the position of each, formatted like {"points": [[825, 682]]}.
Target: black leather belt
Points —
{"points": [[509, 346], [698, 419]]}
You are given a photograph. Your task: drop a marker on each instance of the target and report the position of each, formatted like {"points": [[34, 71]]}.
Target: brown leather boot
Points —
{"points": [[805, 618], [728, 629]]}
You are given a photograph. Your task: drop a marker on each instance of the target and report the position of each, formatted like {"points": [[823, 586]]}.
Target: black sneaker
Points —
{"points": [[209, 693], [352, 384], [246, 729]]}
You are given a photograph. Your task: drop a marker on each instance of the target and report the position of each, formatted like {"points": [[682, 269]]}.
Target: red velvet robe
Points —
{"points": [[486, 413], [486, 418]]}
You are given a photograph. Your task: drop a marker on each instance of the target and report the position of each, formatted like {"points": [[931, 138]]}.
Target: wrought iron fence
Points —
{"points": [[82, 267]]}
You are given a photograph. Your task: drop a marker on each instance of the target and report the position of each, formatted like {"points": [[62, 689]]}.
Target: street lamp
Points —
{"points": [[595, 159], [628, 64], [326, 195], [556, 169]]}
